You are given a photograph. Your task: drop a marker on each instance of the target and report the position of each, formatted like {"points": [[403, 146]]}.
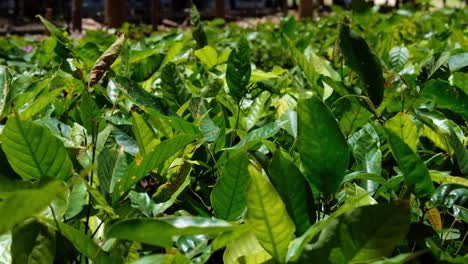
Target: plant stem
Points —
{"points": [[461, 244]]}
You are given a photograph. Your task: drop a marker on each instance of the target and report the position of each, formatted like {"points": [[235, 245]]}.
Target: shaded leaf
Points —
{"points": [[322, 146], [172, 84], [361, 59], [294, 190], [4, 87], [238, 69], [414, 170], [197, 28], [229, 194]]}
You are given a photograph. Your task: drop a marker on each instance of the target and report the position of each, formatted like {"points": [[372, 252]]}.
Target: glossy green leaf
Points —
{"points": [[458, 61], [208, 56], [363, 234], [154, 160], [40, 103], [255, 111], [294, 190], [398, 57], [258, 134], [461, 152], [125, 139], [144, 133], [361, 59], [238, 69], [84, 244], [27, 147], [229, 194], [414, 170], [402, 125], [105, 61], [268, 216], [245, 249], [172, 84], [4, 87], [22, 204], [445, 96], [322, 146], [161, 231], [32, 242]]}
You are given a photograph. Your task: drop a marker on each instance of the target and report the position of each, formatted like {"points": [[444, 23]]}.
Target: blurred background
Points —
{"points": [[19, 16]]}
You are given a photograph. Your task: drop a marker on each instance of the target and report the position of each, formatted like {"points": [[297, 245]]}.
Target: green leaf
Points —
{"points": [[84, 244], [161, 231], [145, 63], [144, 133], [41, 103], [401, 258], [245, 249], [294, 190], [363, 234], [32, 242], [361, 59], [414, 170], [33, 152], [402, 125], [365, 145], [255, 112], [163, 259], [238, 69], [154, 160], [229, 194], [197, 28], [322, 146], [77, 199], [172, 84], [208, 56], [22, 204], [461, 152], [458, 61], [137, 94], [105, 61], [398, 57], [445, 96], [4, 87], [268, 216], [258, 134], [112, 166]]}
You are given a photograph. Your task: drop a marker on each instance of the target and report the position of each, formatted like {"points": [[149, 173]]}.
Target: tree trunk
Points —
{"points": [[116, 12], [155, 13], [76, 14], [219, 8], [306, 9], [284, 7]]}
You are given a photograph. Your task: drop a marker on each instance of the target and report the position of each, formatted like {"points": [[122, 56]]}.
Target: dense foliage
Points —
{"points": [[337, 141]]}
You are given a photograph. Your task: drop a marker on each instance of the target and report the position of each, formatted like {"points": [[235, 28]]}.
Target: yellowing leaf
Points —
{"points": [[267, 214], [247, 248], [402, 125], [208, 56], [433, 217]]}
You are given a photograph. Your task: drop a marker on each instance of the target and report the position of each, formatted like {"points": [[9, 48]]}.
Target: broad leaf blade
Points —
{"points": [[322, 146], [28, 149], [197, 33], [229, 194], [159, 232], [363, 234], [238, 69], [267, 213], [402, 125], [361, 59], [293, 189], [144, 133], [410, 164], [172, 84]]}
